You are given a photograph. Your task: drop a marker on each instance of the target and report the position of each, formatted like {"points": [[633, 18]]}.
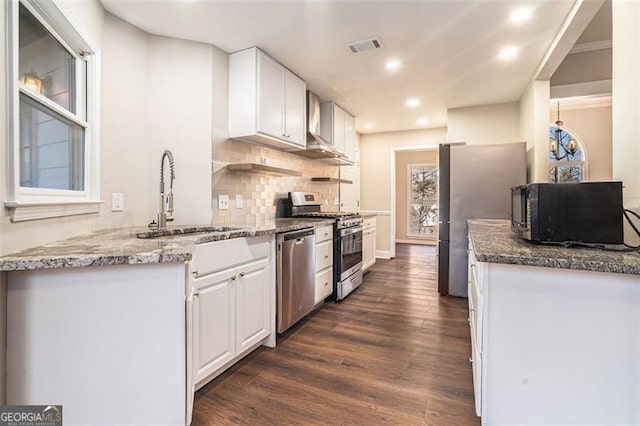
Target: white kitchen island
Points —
{"points": [[555, 331]]}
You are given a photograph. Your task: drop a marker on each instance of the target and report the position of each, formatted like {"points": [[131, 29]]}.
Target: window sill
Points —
{"points": [[20, 212]]}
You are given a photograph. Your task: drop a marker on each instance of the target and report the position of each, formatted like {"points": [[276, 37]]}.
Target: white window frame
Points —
{"points": [[39, 203], [409, 232]]}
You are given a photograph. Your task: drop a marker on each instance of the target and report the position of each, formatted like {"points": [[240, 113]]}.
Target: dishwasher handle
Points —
{"points": [[296, 235]]}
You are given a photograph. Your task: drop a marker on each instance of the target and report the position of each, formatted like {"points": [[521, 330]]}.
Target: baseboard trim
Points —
{"points": [[423, 241], [383, 254]]}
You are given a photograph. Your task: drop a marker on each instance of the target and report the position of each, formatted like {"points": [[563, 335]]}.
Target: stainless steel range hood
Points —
{"points": [[317, 147]]}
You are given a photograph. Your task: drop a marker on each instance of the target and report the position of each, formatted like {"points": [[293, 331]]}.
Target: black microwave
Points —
{"points": [[566, 213]]}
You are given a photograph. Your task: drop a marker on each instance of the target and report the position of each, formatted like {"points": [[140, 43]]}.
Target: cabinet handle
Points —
{"points": [[241, 274], [326, 284], [196, 294], [233, 278], [326, 257], [471, 360]]}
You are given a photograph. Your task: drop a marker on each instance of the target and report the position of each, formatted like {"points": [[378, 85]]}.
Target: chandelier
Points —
{"points": [[561, 147]]}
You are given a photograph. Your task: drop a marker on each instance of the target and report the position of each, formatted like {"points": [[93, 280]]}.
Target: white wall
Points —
{"points": [[156, 93], [375, 174], [180, 119], [484, 124], [592, 126], [124, 165], [534, 129], [626, 98]]}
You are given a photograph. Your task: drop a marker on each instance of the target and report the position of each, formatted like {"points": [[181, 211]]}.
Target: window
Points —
{"points": [[566, 159], [52, 113], [423, 200]]}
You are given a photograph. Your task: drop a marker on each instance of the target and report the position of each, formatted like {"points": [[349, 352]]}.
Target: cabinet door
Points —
{"points": [[349, 191], [324, 255], [338, 127], [296, 110], [324, 284], [252, 304], [214, 322], [368, 248], [350, 137], [271, 92]]}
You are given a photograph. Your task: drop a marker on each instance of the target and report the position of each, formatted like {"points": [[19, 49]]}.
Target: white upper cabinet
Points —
{"points": [[338, 127], [267, 102], [296, 109]]}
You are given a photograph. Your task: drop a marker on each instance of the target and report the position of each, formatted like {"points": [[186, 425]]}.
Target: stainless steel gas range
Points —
{"points": [[347, 241]]}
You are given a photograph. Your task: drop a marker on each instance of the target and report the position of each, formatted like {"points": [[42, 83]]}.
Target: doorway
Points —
{"points": [[416, 196]]}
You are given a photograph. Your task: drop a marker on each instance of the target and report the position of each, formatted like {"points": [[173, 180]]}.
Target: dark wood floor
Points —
{"points": [[393, 352]]}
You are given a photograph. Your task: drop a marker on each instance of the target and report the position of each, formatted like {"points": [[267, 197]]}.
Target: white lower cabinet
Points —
{"points": [[369, 243], [214, 311], [232, 309], [252, 307], [324, 263], [553, 345]]}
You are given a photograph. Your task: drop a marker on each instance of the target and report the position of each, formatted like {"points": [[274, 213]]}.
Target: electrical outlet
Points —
{"points": [[326, 202], [223, 202], [239, 201], [336, 201], [117, 202]]}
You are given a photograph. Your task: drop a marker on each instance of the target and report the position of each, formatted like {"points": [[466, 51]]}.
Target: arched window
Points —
{"points": [[566, 156]]}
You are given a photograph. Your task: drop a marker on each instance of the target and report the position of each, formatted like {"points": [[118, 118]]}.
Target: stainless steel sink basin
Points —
{"points": [[185, 231]]}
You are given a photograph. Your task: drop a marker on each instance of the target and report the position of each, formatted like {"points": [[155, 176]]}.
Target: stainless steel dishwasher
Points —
{"points": [[295, 275]]}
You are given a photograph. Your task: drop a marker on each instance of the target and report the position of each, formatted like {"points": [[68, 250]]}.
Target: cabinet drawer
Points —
{"points": [[324, 284], [324, 233], [324, 255], [218, 255], [369, 223]]}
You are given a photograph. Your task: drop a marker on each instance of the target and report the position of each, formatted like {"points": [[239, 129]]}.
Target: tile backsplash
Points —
{"points": [[261, 191]]}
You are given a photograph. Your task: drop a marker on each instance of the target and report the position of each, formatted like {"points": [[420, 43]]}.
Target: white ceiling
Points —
{"points": [[448, 49]]}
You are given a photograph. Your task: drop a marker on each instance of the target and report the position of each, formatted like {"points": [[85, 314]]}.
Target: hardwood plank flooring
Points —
{"points": [[393, 352]]}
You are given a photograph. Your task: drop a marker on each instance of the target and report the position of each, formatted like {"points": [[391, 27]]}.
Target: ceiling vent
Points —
{"points": [[368, 44]]}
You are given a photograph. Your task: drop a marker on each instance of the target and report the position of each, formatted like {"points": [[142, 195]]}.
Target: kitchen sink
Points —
{"points": [[185, 231]]}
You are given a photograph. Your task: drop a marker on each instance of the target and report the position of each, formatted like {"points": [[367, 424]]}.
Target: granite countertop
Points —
{"points": [[494, 242], [121, 246], [366, 215]]}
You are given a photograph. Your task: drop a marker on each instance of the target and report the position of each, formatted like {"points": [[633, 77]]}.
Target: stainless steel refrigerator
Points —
{"points": [[475, 183]]}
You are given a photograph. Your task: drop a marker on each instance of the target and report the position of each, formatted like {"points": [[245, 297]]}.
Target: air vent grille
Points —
{"points": [[367, 44]]}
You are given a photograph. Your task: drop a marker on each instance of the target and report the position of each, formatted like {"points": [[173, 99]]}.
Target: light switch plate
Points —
{"points": [[117, 202], [336, 201], [223, 202], [239, 201]]}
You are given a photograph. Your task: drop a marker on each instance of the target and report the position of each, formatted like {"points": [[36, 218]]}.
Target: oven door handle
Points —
{"points": [[349, 231]]}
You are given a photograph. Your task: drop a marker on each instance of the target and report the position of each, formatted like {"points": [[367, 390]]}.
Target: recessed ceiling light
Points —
{"points": [[393, 64], [368, 126], [422, 120], [520, 15], [413, 102], [508, 53]]}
